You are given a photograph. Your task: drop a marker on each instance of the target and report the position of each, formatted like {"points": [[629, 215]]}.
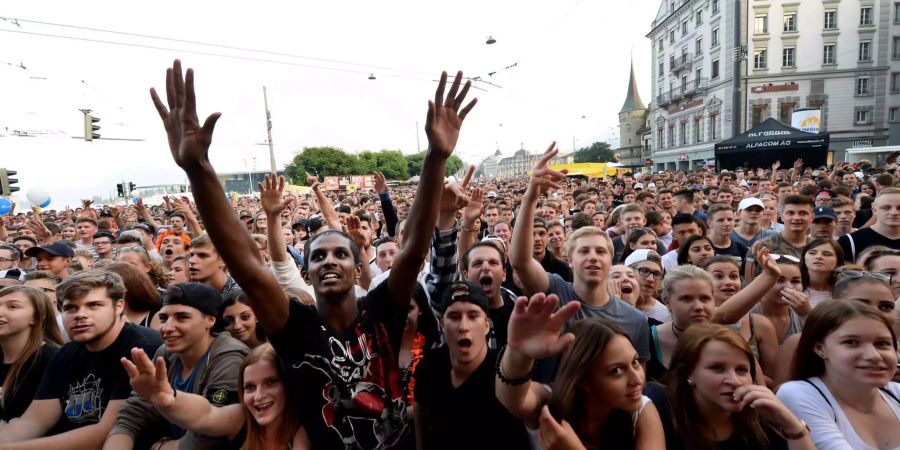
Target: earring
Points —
{"points": [[821, 354], [690, 381]]}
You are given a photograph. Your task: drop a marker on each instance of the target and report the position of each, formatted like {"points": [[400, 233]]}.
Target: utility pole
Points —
{"points": [[269, 131], [738, 57], [418, 147]]}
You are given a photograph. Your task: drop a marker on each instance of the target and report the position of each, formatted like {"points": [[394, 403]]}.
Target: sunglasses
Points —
{"points": [[849, 273]]}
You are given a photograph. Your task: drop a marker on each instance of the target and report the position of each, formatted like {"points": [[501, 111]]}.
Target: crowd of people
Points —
{"points": [[741, 309]]}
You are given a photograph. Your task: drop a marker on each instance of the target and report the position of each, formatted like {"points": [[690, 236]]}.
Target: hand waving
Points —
{"points": [[542, 176], [535, 325], [271, 195], [354, 230], [188, 141], [381, 186], [444, 116], [149, 381], [473, 209], [454, 195]]}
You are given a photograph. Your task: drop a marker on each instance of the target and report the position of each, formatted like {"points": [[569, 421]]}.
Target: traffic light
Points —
{"points": [[120, 190], [6, 183], [90, 126], [130, 188]]}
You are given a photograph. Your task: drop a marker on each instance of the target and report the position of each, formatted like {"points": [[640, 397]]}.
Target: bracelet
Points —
{"points": [[804, 430], [514, 381], [464, 227]]}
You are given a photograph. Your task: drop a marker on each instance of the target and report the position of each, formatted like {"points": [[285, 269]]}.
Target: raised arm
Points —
{"points": [[467, 233], [189, 411], [534, 278], [184, 205], [189, 143], [387, 206], [145, 213], [328, 214], [271, 196], [442, 127], [355, 232], [731, 310]]}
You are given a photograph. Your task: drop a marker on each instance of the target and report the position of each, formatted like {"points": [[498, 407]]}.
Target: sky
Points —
{"points": [[560, 72]]}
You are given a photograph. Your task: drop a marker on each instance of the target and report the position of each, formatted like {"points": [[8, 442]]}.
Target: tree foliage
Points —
{"points": [[597, 152], [330, 161], [414, 164]]}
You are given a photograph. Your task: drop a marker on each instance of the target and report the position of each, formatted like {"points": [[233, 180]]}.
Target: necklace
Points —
{"points": [[676, 330]]}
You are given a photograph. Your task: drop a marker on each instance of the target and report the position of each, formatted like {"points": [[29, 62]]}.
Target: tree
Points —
{"points": [[597, 152], [414, 164], [454, 165], [321, 161], [392, 164]]}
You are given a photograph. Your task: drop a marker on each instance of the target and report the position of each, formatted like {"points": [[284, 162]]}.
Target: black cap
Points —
{"points": [[199, 296], [464, 291], [299, 223], [312, 225], [343, 209], [57, 248], [144, 226]]}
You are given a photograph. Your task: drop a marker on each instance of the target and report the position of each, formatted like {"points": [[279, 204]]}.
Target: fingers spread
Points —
{"points": [[439, 94], [454, 88], [160, 108], [468, 177], [467, 109]]}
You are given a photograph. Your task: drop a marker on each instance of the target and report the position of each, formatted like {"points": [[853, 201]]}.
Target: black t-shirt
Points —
{"points": [[854, 243], [84, 382], [553, 265], [468, 416], [22, 390], [346, 382]]}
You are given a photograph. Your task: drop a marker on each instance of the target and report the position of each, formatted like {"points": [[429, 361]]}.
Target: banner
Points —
{"points": [[808, 120], [344, 181]]}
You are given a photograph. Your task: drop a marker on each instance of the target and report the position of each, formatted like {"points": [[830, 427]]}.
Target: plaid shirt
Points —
{"points": [[444, 266]]}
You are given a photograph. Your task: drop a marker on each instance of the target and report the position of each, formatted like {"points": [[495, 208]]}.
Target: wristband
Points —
{"points": [[514, 381], [804, 430], [470, 230]]}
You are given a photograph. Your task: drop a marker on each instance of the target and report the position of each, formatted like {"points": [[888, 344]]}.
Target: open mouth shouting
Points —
{"points": [[487, 284]]}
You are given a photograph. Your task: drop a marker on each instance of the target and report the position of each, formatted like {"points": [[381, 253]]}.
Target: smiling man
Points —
{"points": [[84, 386], [200, 359], [54, 258]]}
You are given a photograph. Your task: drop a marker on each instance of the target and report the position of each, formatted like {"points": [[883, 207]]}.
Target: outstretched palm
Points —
{"points": [[271, 195], [150, 381], [188, 141], [535, 325], [445, 117]]}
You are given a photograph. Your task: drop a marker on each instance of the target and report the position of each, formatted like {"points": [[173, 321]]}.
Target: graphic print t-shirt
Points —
{"points": [[84, 382], [347, 382]]}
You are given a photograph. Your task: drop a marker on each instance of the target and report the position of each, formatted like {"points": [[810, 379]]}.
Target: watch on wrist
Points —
{"points": [[804, 430]]}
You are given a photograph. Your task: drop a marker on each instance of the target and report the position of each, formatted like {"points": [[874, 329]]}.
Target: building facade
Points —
{"points": [[632, 122], [693, 47], [521, 162], [841, 57]]}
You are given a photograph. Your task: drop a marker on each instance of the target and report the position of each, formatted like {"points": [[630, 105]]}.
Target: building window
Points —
{"points": [[715, 6], [862, 117], [662, 45], [787, 57], [699, 17], [713, 126], [671, 135], [660, 143], [662, 68], [697, 137], [865, 51], [897, 12], [762, 24], [862, 86], [759, 115], [714, 71], [698, 75], [784, 114], [684, 83], [895, 82], [684, 27], [759, 59], [698, 48], [790, 22], [865, 16], [830, 19], [893, 114], [828, 54], [672, 35], [895, 48], [683, 130], [714, 37]]}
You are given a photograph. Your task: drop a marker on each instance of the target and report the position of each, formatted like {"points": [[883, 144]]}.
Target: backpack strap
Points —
{"points": [[890, 394], [833, 413]]}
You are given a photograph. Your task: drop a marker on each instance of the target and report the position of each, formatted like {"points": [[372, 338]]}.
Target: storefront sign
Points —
{"points": [[775, 88], [685, 106]]}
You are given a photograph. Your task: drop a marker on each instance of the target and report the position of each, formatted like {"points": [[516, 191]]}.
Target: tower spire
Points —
{"points": [[632, 98]]}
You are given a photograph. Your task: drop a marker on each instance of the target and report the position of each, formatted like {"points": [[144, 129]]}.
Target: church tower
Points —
{"points": [[632, 119]]}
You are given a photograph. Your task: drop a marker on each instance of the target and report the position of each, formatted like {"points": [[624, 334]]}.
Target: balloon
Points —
{"points": [[5, 205], [38, 197], [45, 204]]}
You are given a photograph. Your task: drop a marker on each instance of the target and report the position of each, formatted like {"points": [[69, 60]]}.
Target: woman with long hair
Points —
{"points": [[240, 321], [263, 407], [260, 223], [596, 399], [179, 271], [715, 401], [886, 261], [638, 238], [817, 265], [841, 378], [142, 299], [785, 304], [137, 256], [695, 251], [29, 337]]}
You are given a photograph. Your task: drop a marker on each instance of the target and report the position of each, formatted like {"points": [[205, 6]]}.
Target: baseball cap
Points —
{"points": [[342, 209], [539, 222], [824, 212], [144, 226], [639, 186], [492, 194], [55, 249], [642, 254], [464, 291], [748, 202], [651, 186], [199, 296], [299, 223], [313, 224], [10, 277]]}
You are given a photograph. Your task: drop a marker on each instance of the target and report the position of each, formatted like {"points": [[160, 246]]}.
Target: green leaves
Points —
{"points": [[329, 161], [597, 152]]}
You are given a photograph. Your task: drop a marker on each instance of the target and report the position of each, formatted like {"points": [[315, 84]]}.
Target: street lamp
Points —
{"points": [[490, 40]]}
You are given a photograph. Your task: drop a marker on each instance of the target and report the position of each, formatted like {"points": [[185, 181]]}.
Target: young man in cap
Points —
{"points": [[84, 386], [824, 223], [55, 257], [647, 266], [886, 230], [340, 355], [749, 231], [200, 359], [451, 380]]}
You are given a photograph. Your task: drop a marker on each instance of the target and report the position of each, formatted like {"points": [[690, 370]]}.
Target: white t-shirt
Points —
{"points": [[670, 260], [659, 312], [829, 427]]}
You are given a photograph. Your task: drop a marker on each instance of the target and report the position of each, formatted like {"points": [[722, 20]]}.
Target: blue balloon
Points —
{"points": [[45, 204], [5, 205]]}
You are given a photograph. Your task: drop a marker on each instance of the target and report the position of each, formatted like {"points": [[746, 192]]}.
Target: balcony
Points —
{"points": [[663, 99], [675, 94], [682, 62], [697, 86]]}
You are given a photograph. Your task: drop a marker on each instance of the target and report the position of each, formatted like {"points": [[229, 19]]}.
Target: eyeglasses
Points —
{"points": [[791, 258], [6, 260], [646, 273], [97, 244], [849, 273]]}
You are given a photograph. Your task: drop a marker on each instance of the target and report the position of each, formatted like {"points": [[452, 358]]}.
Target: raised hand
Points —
{"points": [[86, 204], [188, 141], [381, 186], [535, 324], [557, 435], [765, 260], [149, 381], [454, 195], [444, 116], [473, 209], [776, 165], [115, 211], [542, 176], [354, 230], [271, 195], [37, 225], [312, 181]]}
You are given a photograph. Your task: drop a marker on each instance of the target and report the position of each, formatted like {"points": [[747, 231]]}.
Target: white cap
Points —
{"points": [[491, 194], [651, 186], [639, 186], [643, 254], [748, 202]]}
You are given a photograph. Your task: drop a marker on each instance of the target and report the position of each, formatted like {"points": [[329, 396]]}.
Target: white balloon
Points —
{"points": [[37, 196], [135, 194]]}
